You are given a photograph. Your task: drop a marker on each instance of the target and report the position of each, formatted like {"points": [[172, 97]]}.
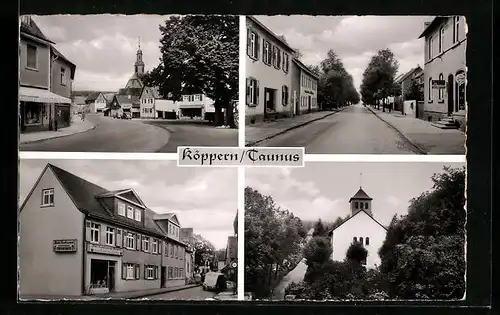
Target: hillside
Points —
{"points": [[86, 93]]}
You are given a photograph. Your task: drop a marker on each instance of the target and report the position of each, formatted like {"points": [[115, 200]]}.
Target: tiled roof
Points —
{"points": [[124, 99], [361, 195], [265, 28], [109, 97], [61, 56], [92, 96], [305, 68], [406, 75], [360, 211], [432, 25], [29, 27], [83, 193]]}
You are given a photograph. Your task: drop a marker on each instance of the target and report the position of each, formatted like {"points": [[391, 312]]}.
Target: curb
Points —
{"points": [[141, 295], [253, 143], [60, 136], [413, 143]]}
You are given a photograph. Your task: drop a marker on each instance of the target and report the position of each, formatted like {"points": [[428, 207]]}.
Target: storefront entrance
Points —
{"points": [[269, 103], [102, 276], [450, 94]]}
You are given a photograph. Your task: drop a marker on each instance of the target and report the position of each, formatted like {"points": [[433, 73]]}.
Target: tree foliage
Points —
{"points": [[204, 250], [378, 77], [199, 54], [318, 250], [423, 255], [320, 229], [356, 253], [272, 242], [414, 92]]}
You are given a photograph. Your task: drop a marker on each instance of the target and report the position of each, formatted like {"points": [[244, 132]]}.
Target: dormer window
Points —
{"points": [[137, 215], [121, 209], [130, 212]]}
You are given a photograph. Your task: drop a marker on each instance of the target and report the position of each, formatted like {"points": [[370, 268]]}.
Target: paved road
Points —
{"points": [[195, 293], [116, 135], [355, 130], [296, 275]]}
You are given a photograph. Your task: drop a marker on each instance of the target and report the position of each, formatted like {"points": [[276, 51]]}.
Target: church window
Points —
{"points": [[361, 240], [367, 241], [356, 205], [354, 239], [361, 205], [366, 205]]}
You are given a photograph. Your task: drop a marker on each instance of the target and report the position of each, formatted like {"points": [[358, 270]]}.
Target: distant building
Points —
{"points": [[445, 70], [305, 89], [409, 77], [45, 77], [362, 228], [110, 240], [97, 102], [196, 105], [122, 105]]}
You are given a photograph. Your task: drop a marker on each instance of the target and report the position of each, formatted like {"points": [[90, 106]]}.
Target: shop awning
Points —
{"points": [[27, 94]]}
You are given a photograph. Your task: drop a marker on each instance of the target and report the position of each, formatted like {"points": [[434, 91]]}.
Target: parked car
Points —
{"points": [[126, 116], [214, 281]]}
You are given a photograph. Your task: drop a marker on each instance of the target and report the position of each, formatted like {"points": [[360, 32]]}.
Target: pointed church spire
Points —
{"points": [[139, 43]]}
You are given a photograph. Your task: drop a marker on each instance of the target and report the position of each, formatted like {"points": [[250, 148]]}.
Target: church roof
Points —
{"points": [[331, 231], [361, 195]]}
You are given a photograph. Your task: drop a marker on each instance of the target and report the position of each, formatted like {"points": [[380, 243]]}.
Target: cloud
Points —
{"points": [[205, 199]]}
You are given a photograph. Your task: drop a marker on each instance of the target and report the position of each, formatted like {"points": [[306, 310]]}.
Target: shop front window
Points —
{"points": [[33, 113]]}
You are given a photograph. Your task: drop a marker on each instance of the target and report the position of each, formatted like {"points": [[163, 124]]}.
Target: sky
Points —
{"points": [[204, 199], [355, 39], [103, 47], [322, 190]]}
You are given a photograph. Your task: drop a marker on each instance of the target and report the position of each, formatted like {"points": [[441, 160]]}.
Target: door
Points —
{"points": [[309, 104], [297, 103], [111, 276], [450, 94], [269, 104], [163, 276]]}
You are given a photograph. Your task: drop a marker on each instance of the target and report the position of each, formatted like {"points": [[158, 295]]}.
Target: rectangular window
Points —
{"points": [[252, 91], [176, 251], [441, 91], [94, 232], [429, 49], [276, 57], [170, 273], [176, 272], [63, 76], [284, 95], [285, 62], [441, 39], [130, 241], [137, 216], [267, 53], [171, 250], [31, 57], [252, 45], [456, 25], [356, 206], [48, 197], [185, 98], [130, 271], [145, 244], [154, 246], [110, 236], [121, 209], [430, 90], [181, 271], [149, 272], [130, 212]]}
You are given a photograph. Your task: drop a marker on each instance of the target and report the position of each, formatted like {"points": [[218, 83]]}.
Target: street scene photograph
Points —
{"points": [[357, 84], [379, 231], [128, 83], [115, 229]]}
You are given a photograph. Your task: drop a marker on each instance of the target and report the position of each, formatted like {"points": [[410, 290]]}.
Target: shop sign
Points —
{"points": [[460, 77], [106, 250], [64, 246], [438, 84]]}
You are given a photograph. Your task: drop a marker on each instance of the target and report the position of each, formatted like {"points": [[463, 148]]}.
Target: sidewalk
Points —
{"points": [[425, 137], [259, 132], [115, 295], [77, 126]]}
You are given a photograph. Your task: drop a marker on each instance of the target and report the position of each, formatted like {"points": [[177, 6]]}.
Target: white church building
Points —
{"points": [[361, 227]]}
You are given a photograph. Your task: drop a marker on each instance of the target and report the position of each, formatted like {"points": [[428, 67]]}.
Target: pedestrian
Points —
{"points": [[83, 116]]}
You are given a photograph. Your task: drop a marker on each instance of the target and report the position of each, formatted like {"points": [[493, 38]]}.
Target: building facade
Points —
{"points": [[196, 105], [45, 78], [362, 228], [305, 96], [97, 102], [109, 242], [268, 74], [445, 69]]}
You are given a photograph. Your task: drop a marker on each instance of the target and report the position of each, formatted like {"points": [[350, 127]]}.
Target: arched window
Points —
{"points": [[361, 204], [356, 205], [441, 91], [367, 241], [354, 239], [361, 240], [429, 90], [366, 205]]}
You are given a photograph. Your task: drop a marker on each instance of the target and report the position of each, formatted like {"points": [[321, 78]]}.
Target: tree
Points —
{"points": [[319, 229], [204, 251], [199, 54], [272, 242], [378, 77], [318, 250], [423, 254], [414, 92], [356, 253], [235, 224], [296, 54]]}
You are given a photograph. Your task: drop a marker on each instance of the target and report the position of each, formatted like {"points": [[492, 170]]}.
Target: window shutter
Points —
{"points": [[124, 271], [264, 50], [257, 46], [249, 44], [87, 231], [119, 238], [283, 95], [249, 98], [256, 89], [124, 240], [138, 242], [145, 271], [155, 272], [137, 271], [278, 55]]}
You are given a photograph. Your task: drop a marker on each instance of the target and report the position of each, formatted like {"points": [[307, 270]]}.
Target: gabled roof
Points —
{"points": [[276, 37], [168, 216], [109, 97], [29, 27], [407, 74], [92, 96], [305, 68], [361, 195], [433, 25], [129, 194], [61, 56], [125, 99], [331, 231]]}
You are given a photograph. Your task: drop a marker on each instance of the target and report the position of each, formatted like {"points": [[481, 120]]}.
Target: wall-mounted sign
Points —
{"points": [[438, 84], [308, 92], [64, 246], [460, 77], [106, 250], [234, 265]]}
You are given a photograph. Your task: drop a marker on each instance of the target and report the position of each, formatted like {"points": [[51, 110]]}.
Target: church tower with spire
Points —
{"points": [[139, 64], [361, 201]]}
